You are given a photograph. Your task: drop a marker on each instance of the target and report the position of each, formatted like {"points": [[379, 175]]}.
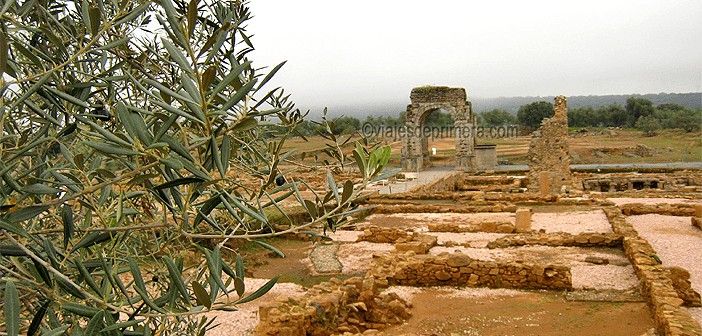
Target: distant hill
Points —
{"points": [[512, 104]]}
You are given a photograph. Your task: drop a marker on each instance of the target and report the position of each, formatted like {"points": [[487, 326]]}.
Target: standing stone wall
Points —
{"points": [[424, 101], [458, 269], [549, 158]]}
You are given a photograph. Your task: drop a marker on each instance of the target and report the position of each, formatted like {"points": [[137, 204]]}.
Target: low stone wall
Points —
{"points": [[404, 240], [589, 239], [442, 208], [375, 234], [334, 307], [458, 269], [488, 226], [681, 282], [418, 243], [661, 209], [671, 319]]}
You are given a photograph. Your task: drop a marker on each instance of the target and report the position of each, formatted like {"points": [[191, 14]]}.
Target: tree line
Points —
{"points": [[639, 113]]}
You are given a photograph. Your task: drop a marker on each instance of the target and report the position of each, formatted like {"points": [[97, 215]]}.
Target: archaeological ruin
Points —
{"points": [[588, 250], [424, 101], [549, 159]]}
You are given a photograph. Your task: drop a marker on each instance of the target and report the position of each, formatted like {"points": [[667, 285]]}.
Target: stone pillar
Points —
{"points": [[549, 152], [523, 220]]}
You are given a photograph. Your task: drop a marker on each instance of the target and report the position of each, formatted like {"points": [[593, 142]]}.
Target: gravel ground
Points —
{"points": [[571, 222], [407, 292], [475, 253], [243, 321], [420, 221], [357, 257], [604, 277], [628, 200], [676, 242], [569, 256]]}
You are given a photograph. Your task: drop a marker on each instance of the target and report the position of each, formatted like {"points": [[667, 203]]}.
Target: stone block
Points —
{"points": [[697, 222], [523, 220], [698, 210]]}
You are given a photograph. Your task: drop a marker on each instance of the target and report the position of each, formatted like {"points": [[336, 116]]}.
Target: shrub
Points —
{"points": [[649, 125]]}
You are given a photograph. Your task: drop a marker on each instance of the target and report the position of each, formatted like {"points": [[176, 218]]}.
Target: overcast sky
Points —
{"points": [[344, 53]]}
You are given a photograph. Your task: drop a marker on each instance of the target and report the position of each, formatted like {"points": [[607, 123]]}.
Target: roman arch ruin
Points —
{"points": [[424, 101]]}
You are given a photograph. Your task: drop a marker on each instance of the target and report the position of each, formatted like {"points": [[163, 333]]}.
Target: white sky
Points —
{"points": [[362, 52]]}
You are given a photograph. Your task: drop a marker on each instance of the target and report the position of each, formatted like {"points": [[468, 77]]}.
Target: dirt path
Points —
{"points": [[520, 313]]}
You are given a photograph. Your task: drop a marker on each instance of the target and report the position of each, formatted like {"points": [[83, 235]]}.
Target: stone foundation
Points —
{"points": [[353, 305], [661, 209], [681, 282], [404, 240], [666, 305], [458, 269], [418, 243], [376, 234], [496, 227], [431, 208], [589, 239]]}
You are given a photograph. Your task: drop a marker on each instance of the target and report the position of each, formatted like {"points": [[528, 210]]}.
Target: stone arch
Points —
{"points": [[425, 100]]}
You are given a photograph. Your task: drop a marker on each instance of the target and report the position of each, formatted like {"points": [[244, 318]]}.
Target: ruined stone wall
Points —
{"points": [[458, 269], [375, 234], [334, 307], [433, 208], [666, 306], [549, 158], [661, 209], [587, 239], [640, 182], [484, 226]]}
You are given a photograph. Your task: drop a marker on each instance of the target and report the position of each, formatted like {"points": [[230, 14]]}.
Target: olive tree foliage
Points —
{"points": [[131, 132]]}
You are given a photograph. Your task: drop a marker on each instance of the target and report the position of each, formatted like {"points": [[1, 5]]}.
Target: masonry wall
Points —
{"points": [[458, 269], [334, 307], [549, 158]]}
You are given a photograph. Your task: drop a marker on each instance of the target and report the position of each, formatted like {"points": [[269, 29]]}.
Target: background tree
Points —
{"points": [[123, 150], [531, 115], [346, 125], [649, 125], [438, 118], [497, 117], [637, 108], [613, 115]]}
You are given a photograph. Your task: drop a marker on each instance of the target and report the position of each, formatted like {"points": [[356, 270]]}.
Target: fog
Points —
{"points": [[371, 53]]}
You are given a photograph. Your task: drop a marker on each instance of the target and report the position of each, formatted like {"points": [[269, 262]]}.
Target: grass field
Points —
{"points": [[591, 146]]}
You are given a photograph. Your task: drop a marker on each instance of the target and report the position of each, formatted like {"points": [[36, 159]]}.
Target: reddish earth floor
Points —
{"points": [[529, 313]]}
